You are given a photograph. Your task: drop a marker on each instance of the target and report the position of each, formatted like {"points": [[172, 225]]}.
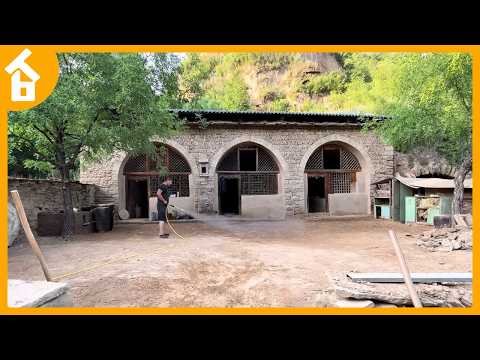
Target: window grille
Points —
{"points": [[258, 184], [348, 161], [315, 162], [166, 159], [266, 161], [341, 182], [135, 164], [229, 161], [179, 184]]}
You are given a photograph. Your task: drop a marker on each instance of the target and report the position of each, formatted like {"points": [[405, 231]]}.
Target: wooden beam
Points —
{"points": [[28, 233], [424, 278], [406, 273]]}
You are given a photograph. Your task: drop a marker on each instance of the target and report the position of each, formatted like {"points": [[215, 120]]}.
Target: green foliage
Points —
{"points": [[428, 97], [102, 103], [193, 72], [233, 97], [324, 84], [279, 105]]}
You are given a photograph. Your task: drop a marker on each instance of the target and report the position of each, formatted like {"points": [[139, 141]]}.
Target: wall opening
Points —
{"points": [[331, 158], [248, 159], [317, 201], [229, 194], [137, 197]]}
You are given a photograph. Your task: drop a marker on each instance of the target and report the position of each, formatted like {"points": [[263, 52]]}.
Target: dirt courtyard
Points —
{"points": [[227, 263]]}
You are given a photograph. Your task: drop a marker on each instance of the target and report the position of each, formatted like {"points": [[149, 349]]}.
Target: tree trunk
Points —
{"points": [[463, 170], [68, 219]]}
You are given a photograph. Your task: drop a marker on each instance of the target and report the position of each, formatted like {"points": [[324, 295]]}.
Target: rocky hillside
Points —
{"points": [[261, 81]]}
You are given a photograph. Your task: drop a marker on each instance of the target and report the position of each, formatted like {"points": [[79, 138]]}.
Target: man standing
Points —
{"points": [[163, 195]]}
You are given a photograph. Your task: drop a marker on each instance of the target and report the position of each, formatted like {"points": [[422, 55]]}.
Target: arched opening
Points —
{"points": [[332, 168], [143, 175], [247, 171]]}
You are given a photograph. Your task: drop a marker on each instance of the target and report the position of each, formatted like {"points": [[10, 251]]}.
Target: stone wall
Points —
{"points": [[46, 195], [290, 146]]}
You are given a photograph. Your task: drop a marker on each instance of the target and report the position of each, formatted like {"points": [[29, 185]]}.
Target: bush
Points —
{"points": [[324, 84], [279, 105]]}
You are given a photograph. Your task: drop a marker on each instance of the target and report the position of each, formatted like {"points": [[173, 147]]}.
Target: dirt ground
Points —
{"points": [[227, 263]]}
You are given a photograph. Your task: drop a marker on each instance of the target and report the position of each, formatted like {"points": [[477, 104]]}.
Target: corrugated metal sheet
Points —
{"points": [[279, 113], [431, 183]]}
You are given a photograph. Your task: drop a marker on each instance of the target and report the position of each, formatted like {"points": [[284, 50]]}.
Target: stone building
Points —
{"points": [[254, 164]]}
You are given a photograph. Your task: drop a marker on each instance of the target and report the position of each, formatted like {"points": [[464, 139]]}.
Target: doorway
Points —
{"points": [[317, 194], [229, 195], [137, 198]]}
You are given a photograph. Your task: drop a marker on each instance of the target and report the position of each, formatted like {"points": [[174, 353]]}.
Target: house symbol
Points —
{"points": [[22, 90]]}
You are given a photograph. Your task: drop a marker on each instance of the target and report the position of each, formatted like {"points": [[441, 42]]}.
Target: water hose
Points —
{"points": [[168, 222], [112, 260]]}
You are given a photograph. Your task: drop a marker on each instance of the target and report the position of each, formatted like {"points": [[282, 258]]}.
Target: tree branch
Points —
{"points": [[45, 133], [33, 148]]}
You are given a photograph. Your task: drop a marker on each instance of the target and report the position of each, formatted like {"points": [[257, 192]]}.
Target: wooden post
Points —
{"points": [[28, 233], [406, 273]]}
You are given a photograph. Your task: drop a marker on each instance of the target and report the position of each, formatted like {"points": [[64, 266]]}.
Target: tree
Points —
{"points": [[102, 103], [428, 99]]}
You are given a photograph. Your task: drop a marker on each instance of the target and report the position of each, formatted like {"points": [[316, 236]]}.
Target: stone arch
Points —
{"points": [[122, 158], [357, 149], [276, 155], [282, 164]]}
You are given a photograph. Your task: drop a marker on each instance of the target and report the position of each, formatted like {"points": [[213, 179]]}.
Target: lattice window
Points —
{"points": [[341, 182], [229, 161], [315, 161], [180, 184], [135, 164], [176, 162], [265, 161], [348, 161], [258, 184], [168, 159], [159, 161]]}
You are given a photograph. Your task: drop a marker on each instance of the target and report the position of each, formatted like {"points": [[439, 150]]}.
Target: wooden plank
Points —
{"points": [[424, 278], [28, 233], [459, 220], [406, 273]]}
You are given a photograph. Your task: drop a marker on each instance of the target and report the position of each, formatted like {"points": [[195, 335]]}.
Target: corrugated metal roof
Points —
{"points": [[431, 183], [279, 113], [266, 118]]}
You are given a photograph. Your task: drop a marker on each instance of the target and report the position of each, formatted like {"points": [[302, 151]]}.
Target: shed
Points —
{"points": [[404, 191]]}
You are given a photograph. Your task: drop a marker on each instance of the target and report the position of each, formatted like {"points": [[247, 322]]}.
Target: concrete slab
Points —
{"points": [[34, 293], [354, 304], [385, 306]]}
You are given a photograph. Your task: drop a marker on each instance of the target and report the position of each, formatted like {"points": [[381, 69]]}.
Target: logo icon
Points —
{"points": [[22, 90]]}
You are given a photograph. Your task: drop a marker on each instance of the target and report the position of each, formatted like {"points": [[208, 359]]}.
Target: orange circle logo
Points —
{"points": [[28, 75]]}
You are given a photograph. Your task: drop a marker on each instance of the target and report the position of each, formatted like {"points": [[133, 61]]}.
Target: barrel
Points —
{"points": [[103, 217]]}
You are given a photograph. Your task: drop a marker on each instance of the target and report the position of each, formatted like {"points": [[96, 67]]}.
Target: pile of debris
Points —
{"points": [[365, 294], [448, 239]]}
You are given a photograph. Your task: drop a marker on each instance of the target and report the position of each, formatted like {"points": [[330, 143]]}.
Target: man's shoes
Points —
{"points": [[164, 236]]}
